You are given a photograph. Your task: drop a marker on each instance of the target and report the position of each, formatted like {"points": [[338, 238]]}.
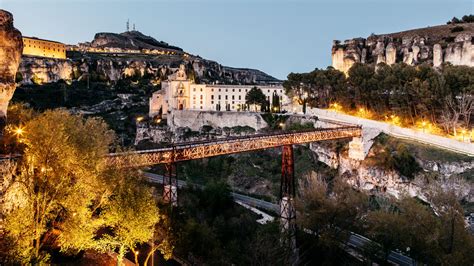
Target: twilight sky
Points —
{"points": [[275, 36]]}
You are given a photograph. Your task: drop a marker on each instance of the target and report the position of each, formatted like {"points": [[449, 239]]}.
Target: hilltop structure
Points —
{"points": [[180, 93], [432, 45], [33, 46]]}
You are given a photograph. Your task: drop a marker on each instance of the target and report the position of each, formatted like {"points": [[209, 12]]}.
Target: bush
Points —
{"points": [[457, 29], [405, 163]]}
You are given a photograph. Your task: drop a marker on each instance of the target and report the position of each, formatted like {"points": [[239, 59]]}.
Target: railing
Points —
{"points": [[209, 148]]}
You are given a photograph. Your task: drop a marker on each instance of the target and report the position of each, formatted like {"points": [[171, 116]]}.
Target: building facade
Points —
{"points": [[43, 48], [179, 93]]}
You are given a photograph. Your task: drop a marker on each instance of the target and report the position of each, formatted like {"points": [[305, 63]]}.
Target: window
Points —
{"points": [[239, 90], [226, 97], [212, 102], [201, 96], [219, 89], [240, 98], [233, 97], [233, 90], [212, 97], [219, 97], [194, 89], [201, 89]]}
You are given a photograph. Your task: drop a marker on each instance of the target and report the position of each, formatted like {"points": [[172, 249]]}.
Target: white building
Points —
{"points": [[179, 93]]}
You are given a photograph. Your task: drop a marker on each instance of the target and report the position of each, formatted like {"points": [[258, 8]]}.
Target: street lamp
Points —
{"points": [[423, 125]]}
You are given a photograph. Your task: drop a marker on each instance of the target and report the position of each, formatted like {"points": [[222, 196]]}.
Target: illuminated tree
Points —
{"points": [[131, 213], [57, 184]]}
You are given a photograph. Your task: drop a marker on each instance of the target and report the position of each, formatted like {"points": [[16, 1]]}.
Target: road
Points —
{"points": [[355, 241]]}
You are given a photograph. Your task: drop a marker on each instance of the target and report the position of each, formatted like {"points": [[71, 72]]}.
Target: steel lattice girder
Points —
{"points": [[198, 150]]}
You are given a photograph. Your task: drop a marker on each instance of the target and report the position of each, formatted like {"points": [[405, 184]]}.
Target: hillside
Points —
{"points": [[129, 40]]}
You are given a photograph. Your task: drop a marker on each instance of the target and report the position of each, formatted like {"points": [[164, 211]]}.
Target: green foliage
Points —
{"points": [[64, 194], [457, 29], [213, 230], [255, 97], [464, 19], [413, 93], [435, 238]]}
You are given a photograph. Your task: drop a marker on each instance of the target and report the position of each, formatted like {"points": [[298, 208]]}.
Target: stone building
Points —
{"points": [[180, 93], [33, 46]]}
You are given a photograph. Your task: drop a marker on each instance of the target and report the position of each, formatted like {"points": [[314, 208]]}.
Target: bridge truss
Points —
{"points": [[203, 149]]}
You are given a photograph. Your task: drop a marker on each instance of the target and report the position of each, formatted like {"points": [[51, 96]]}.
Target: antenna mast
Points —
{"points": [[128, 24]]}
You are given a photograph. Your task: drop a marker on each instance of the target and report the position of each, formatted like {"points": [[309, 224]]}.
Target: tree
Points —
{"points": [[256, 97], [58, 184], [329, 210], [132, 213]]}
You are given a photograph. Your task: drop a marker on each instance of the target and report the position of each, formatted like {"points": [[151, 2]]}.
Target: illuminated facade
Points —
{"points": [[43, 48], [179, 93]]}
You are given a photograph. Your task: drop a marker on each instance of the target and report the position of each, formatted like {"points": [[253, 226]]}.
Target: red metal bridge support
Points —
{"points": [[287, 209], [170, 184]]}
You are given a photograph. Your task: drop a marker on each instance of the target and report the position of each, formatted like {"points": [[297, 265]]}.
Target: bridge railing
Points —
{"points": [[209, 148]]}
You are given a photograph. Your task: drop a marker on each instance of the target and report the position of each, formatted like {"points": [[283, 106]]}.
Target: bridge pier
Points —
{"points": [[170, 188], [287, 209]]}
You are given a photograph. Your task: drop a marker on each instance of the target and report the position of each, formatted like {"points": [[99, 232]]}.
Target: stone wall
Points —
{"points": [[196, 119], [399, 132]]}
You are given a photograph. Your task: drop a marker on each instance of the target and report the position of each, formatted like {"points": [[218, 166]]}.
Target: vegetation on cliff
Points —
{"points": [[401, 94]]}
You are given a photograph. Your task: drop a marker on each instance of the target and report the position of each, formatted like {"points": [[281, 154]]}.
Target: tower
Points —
{"points": [[128, 25], [133, 26]]}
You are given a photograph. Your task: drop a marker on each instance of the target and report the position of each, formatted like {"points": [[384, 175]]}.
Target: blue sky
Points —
{"points": [[275, 36]]}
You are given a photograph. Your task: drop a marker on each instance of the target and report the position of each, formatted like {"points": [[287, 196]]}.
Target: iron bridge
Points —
{"points": [[202, 149]]}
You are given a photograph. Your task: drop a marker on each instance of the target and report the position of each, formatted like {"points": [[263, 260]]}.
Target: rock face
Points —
{"points": [[365, 176], [133, 40], [44, 70], [433, 45], [11, 47], [110, 68]]}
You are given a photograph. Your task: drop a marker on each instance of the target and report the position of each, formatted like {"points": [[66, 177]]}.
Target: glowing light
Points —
{"points": [[158, 120], [281, 125], [140, 118], [19, 131]]}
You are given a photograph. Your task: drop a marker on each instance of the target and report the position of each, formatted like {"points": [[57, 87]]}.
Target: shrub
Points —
{"points": [[457, 29]]}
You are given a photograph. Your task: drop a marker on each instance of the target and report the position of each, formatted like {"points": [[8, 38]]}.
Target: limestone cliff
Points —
{"points": [[366, 175], [113, 68], [432, 45], [11, 46]]}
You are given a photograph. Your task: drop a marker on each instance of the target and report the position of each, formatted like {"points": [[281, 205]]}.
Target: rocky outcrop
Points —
{"points": [[366, 176], [11, 46], [45, 70], [114, 68], [433, 45], [132, 40]]}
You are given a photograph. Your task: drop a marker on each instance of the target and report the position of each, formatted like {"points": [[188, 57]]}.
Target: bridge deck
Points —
{"points": [[201, 149]]}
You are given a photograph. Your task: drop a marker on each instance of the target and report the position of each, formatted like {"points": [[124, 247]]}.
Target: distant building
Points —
{"points": [[179, 93], [33, 46]]}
